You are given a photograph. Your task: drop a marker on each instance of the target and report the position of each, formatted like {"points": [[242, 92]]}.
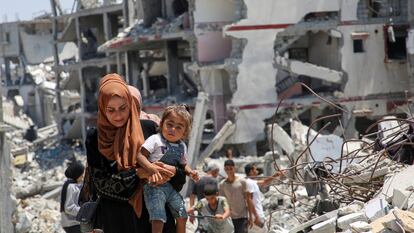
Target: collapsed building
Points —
{"points": [[238, 57]]}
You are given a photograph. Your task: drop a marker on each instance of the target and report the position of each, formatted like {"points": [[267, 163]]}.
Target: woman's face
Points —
{"points": [[117, 111]]}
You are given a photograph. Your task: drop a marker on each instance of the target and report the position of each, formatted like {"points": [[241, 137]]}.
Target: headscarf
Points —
{"points": [[138, 100], [120, 144]]}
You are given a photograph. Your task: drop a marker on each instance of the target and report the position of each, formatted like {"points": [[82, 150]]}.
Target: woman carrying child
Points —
{"points": [[112, 151]]}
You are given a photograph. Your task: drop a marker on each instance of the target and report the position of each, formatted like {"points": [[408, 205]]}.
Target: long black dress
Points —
{"points": [[119, 216]]}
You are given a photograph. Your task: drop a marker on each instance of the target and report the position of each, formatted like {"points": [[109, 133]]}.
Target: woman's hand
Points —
{"points": [[167, 170]]}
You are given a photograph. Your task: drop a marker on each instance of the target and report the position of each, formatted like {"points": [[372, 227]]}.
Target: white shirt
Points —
{"points": [[156, 147], [68, 217], [258, 197]]}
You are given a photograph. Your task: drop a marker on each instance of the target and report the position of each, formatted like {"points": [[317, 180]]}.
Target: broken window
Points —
{"points": [[300, 54], [358, 46], [384, 8], [180, 7], [395, 42], [158, 85], [6, 38]]}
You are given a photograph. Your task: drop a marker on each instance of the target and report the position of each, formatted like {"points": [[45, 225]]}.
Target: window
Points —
{"points": [[395, 42], [5, 38], [358, 46]]}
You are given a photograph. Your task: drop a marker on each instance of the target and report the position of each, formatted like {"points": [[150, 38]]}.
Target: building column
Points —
{"points": [[132, 65], [7, 71], [171, 57], [6, 204]]}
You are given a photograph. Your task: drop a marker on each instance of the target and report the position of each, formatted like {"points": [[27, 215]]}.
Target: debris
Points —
{"points": [[345, 221], [405, 219], [360, 227], [327, 226], [376, 208]]}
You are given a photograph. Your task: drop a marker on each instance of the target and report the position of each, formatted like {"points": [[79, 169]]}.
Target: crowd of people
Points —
{"points": [[137, 165]]}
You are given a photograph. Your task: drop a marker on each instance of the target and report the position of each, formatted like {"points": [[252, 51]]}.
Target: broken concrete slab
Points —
{"points": [[376, 208], [402, 198], [401, 180], [354, 207], [360, 227], [405, 219], [314, 221], [380, 225], [366, 176], [218, 140], [327, 226], [345, 221], [281, 138]]}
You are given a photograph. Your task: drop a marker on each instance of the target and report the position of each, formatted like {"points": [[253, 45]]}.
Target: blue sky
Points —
{"points": [[27, 9]]}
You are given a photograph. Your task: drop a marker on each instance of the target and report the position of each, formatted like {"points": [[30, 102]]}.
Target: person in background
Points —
{"points": [[256, 197], [210, 178], [69, 207], [229, 153], [215, 210], [168, 147], [234, 188], [143, 115]]}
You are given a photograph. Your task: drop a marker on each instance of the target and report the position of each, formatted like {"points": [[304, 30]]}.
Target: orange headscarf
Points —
{"points": [[120, 144]]}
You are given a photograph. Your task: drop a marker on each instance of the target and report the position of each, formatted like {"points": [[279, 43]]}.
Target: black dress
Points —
{"points": [[118, 216]]}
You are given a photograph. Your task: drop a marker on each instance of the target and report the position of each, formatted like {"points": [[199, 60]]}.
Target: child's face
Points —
{"points": [[174, 128], [211, 199]]}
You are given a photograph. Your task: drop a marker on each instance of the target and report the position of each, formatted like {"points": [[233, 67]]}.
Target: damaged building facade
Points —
{"points": [[229, 60], [246, 57]]}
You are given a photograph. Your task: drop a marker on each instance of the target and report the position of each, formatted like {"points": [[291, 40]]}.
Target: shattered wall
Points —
{"points": [[9, 37], [37, 49], [5, 184], [216, 84], [6, 204], [322, 43], [368, 73], [209, 18], [257, 77]]}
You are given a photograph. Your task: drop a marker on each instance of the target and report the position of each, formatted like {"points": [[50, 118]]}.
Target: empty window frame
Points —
{"points": [[395, 42]]}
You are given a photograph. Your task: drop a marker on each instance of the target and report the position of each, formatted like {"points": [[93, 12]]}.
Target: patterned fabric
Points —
{"points": [[119, 186]]}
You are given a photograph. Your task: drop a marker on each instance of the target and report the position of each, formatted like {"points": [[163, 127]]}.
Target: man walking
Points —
{"points": [[234, 188]]}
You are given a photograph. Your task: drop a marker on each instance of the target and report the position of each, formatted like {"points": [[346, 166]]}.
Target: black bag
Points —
{"points": [[87, 215]]}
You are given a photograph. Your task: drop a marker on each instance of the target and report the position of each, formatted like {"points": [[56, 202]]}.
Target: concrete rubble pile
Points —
{"points": [[39, 160], [366, 187], [159, 27], [36, 188], [330, 184]]}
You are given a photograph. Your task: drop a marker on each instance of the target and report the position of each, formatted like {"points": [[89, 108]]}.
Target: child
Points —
{"points": [[216, 208], [69, 197], [168, 148]]}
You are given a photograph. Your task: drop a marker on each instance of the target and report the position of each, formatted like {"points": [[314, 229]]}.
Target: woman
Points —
{"points": [[111, 154]]}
